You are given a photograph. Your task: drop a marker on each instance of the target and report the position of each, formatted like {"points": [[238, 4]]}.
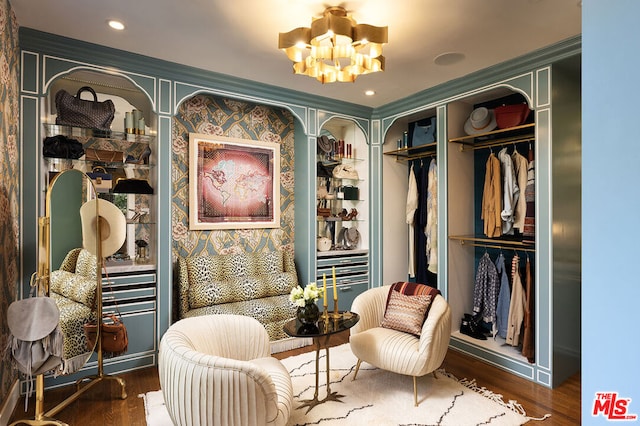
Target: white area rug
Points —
{"points": [[379, 397]]}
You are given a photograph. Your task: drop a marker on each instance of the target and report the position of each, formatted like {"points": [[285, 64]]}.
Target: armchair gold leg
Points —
{"points": [[415, 391], [357, 368]]}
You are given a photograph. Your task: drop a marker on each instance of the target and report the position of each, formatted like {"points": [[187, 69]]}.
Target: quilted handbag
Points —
{"points": [[73, 111]]}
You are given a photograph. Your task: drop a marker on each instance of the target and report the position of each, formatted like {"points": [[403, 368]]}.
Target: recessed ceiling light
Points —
{"points": [[116, 25], [369, 92], [449, 58]]}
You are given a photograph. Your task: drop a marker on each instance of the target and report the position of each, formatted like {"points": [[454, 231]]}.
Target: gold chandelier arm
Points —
{"points": [[335, 48], [371, 33]]}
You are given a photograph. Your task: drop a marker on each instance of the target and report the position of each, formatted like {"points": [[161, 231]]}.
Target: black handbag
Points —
{"points": [[73, 111], [62, 147], [322, 170], [132, 186], [351, 192]]}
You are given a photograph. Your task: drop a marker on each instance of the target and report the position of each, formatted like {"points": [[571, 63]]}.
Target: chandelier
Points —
{"points": [[335, 48]]}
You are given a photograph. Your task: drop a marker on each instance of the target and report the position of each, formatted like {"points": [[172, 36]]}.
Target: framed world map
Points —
{"points": [[233, 183]]}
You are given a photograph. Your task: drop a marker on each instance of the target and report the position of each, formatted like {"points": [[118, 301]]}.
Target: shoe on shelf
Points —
{"points": [[143, 159], [471, 328]]}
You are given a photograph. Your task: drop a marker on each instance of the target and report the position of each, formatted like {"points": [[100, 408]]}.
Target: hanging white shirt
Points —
{"points": [[510, 191], [412, 206], [431, 230], [520, 165]]}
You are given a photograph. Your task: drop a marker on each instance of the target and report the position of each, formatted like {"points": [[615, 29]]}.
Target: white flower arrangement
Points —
{"points": [[301, 297]]}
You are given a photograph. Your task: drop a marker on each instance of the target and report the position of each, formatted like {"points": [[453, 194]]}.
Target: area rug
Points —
{"points": [[378, 397]]}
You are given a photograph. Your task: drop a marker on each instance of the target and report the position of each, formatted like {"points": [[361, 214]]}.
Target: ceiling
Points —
{"points": [[239, 37]]}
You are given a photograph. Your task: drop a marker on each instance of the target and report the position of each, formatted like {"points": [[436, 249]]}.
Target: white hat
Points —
{"points": [[345, 171], [481, 120], [113, 226]]}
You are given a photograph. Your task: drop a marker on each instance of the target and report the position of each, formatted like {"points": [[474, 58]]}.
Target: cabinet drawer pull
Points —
{"points": [[345, 289]]}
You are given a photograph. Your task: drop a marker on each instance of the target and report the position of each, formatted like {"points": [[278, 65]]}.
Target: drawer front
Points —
{"points": [[342, 260], [343, 270], [346, 294], [141, 330], [119, 281], [131, 295], [129, 288], [129, 308]]}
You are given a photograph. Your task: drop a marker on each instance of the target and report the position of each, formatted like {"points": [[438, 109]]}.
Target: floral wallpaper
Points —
{"points": [[231, 118], [9, 170]]}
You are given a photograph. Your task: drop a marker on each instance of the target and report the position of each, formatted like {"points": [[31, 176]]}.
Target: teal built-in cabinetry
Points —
{"points": [[163, 86], [551, 88]]}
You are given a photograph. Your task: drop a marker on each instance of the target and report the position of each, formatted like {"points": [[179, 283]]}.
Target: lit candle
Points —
{"points": [[324, 290], [335, 289]]}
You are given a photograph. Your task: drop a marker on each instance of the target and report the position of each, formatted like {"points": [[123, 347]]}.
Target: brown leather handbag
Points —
{"points": [[114, 336], [103, 155]]}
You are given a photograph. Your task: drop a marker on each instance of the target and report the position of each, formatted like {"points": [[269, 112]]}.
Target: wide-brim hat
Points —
{"points": [[481, 120], [113, 226], [324, 144]]}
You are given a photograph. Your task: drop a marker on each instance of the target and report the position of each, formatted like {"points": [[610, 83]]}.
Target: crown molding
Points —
{"points": [[78, 50], [493, 74]]}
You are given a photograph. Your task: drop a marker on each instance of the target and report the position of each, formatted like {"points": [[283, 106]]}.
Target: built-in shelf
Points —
{"points": [[85, 132], [414, 153], [512, 135]]}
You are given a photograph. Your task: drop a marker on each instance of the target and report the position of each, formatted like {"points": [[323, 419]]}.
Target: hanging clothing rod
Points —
{"points": [[486, 243], [501, 142], [415, 157]]}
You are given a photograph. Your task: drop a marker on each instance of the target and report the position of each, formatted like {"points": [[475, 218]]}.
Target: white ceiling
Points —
{"points": [[239, 37]]}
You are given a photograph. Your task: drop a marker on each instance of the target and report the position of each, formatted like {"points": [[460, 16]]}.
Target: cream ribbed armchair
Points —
{"points": [[217, 370], [394, 350]]}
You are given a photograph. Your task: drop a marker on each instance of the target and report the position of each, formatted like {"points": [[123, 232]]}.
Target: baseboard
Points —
{"points": [[289, 343], [9, 404]]}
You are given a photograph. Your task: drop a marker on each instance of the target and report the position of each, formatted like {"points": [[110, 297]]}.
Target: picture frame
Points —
{"points": [[233, 183]]}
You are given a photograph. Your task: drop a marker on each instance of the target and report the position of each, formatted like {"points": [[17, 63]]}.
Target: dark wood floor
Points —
{"points": [[101, 405]]}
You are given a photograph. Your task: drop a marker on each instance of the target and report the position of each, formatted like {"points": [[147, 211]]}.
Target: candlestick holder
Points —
{"points": [[335, 314], [325, 314]]}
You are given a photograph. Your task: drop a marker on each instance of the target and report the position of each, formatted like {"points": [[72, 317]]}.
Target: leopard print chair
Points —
{"points": [[73, 288]]}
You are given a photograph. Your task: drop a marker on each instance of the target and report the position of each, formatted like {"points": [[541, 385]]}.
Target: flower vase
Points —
{"points": [[308, 314]]}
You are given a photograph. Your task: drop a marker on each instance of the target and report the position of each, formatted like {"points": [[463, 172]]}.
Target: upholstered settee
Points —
{"points": [[251, 284], [73, 288]]}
